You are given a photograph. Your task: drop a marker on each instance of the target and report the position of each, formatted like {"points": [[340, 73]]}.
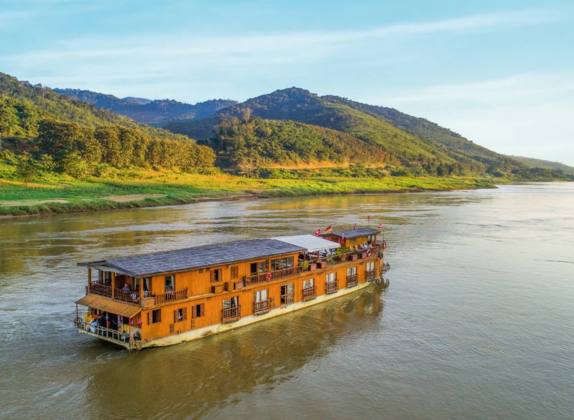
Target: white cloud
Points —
{"points": [[274, 48], [526, 114]]}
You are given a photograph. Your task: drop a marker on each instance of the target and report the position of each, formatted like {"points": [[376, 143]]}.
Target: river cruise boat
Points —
{"points": [[170, 297]]}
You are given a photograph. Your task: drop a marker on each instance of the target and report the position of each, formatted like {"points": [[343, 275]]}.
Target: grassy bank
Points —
{"points": [[142, 188]]}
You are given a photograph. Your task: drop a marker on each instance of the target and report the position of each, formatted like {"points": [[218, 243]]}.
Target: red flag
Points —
{"points": [[328, 229]]}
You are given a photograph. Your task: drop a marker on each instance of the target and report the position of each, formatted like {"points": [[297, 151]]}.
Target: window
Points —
{"points": [[231, 303], [197, 311], [258, 267], [147, 286], [169, 283], [351, 271], [282, 263], [308, 283], [215, 275], [261, 295], [234, 272], [331, 278], [156, 316], [105, 277], [179, 315], [370, 267]]}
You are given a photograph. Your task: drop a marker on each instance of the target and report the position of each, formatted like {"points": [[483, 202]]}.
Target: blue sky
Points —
{"points": [[498, 72]]}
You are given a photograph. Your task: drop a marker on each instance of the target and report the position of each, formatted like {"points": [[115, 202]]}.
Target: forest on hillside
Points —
{"points": [[37, 142]]}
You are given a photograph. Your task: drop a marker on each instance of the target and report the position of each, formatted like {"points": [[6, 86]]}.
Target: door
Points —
{"points": [[261, 295], [287, 294]]}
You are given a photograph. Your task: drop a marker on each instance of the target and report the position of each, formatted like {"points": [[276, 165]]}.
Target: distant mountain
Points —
{"points": [[545, 164], [146, 111]]}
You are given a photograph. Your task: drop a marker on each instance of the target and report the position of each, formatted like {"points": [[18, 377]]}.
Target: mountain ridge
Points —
{"points": [[147, 111]]}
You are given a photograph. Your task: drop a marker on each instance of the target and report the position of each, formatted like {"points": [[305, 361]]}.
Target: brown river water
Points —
{"points": [[478, 321]]}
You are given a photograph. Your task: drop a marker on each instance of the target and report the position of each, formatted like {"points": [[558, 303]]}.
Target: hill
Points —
{"points": [[252, 143], [457, 145], [402, 148], [545, 164], [146, 111], [41, 129]]}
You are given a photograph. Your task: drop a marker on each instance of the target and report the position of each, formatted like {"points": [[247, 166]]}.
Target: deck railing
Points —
{"points": [[308, 293], [100, 289], [352, 280], [331, 287], [170, 296], [121, 337], [260, 308], [370, 275], [271, 275], [131, 296], [231, 314]]}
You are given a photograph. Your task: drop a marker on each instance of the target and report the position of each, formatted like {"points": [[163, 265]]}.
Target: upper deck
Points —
{"points": [[156, 278]]}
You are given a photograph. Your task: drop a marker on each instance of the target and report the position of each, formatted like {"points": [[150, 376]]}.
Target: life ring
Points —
{"points": [[268, 276]]}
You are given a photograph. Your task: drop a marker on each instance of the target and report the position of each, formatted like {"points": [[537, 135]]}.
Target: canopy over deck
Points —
{"points": [[109, 305], [310, 243], [354, 233]]}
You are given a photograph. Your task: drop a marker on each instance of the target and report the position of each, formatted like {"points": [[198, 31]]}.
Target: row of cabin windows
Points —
{"points": [[180, 314], [255, 268], [259, 296], [283, 263]]}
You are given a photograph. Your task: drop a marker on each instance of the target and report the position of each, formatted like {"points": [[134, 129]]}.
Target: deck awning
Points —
{"points": [[109, 305], [311, 243]]}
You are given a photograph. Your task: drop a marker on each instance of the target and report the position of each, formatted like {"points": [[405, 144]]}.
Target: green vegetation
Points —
{"points": [[405, 152], [545, 164], [37, 125], [135, 187], [250, 143], [59, 155], [452, 143]]}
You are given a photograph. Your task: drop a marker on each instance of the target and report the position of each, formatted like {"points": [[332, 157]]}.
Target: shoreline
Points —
{"points": [[58, 206]]}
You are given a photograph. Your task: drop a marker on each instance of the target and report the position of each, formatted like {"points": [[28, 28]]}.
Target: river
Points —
{"points": [[478, 321]]}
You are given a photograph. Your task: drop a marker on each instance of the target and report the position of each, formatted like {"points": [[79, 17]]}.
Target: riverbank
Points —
{"points": [[133, 188]]}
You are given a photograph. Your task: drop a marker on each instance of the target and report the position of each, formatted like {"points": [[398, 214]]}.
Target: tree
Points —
{"points": [[74, 165], [27, 168]]}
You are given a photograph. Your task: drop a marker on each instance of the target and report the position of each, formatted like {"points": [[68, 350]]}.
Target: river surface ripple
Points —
{"points": [[478, 321]]}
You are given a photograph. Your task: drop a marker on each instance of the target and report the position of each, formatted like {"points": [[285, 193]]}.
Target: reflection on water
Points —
{"points": [[477, 321], [210, 372]]}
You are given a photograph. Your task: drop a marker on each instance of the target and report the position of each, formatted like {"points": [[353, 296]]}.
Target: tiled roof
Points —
{"points": [[197, 257]]}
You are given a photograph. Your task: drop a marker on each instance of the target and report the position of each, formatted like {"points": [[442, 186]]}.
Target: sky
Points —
{"points": [[501, 73]]}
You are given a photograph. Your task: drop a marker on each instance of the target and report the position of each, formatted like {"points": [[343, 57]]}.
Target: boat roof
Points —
{"points": [[354, 233], [196, 257], [311, 243], [109, 305]]}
